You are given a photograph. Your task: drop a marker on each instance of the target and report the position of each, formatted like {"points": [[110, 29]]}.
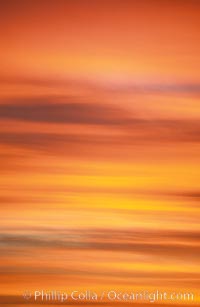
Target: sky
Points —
{"points": [[99, 146]]}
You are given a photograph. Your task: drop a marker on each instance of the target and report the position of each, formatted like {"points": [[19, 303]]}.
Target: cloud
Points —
{"points": [[158, 88], [108, 86], [161, 243], [136, 132], [68, 113]]}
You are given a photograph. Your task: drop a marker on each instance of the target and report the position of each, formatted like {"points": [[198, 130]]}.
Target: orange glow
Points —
{"points": [[99, 145]]}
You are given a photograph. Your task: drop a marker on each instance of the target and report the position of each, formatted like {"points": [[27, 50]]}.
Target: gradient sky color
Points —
{"points": [[99, 145]]}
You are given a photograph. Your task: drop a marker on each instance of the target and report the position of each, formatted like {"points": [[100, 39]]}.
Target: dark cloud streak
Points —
{"points": [[68, 113], [171, 243]]}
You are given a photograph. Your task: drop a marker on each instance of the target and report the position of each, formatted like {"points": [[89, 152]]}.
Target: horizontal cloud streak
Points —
{"points": [[69, 113], [160, 243], [137, 133], [97, 114], [129, 86]]}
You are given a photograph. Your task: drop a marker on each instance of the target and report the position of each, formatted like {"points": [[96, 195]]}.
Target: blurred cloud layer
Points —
{"points": [[99, 146]]}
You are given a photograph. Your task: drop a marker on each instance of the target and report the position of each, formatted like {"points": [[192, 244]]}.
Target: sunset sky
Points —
{"points": [[99, 145]]}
